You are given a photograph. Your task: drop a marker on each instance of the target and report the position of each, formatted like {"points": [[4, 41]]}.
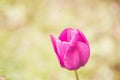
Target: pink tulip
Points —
{"points": [[72, 48]]}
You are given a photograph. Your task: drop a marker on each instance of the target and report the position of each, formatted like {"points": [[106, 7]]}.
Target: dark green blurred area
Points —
{"points": [[26, 51]]}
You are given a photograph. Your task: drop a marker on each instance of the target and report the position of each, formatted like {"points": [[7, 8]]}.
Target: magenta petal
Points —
{"points": [[82, 37], [76, 56], [55, 48], [54, 43], [66, 35], [62, 47]]}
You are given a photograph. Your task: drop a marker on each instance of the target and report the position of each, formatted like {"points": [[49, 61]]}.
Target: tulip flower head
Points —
{"points": [[72, 48]]}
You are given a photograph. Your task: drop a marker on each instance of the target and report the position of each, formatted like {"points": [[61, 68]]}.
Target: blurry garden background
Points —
{"points": [[26, 51]]}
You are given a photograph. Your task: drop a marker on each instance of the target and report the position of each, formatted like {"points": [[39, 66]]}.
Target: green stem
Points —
{"points": [[76, 75]]}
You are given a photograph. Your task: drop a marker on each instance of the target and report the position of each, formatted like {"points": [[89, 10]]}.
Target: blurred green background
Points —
{"points": [[26, 51]]}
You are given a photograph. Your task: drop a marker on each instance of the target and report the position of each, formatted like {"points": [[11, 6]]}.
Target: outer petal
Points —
{"points": [[55, 48], [76, 56], [62, 47], [82, 37], [66, 35], [54, 43]]}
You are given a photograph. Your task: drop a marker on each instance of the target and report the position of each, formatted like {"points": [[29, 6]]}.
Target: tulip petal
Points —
{"points": [[82, 37], [62, 47], [76, 56], [75, 36], [66, 35], [54, 43]]}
